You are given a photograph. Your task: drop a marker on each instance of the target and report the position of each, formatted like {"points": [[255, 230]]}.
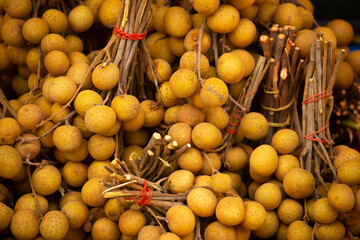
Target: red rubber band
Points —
{"points": [[308, 137], [231, 131], [145, 198], [306, 100], [250, 93], [234, 116], [130, 36]]}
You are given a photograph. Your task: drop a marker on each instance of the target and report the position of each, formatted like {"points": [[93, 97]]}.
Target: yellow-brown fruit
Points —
{"points": [[177, 21], [299, 183], [100, 118], [180, 220], [28, 150], [101, 147], [323, 212], [345, 155], [289, 211], [158, 19], [150, 233], [109, 12], [191, 160], [328, 35], [254, 126], [113, 208], [46, 180], [159, 47], [349, 172], [46, 141], [10, 130], [19, 84], [57, 109], [56, 20], [259, 178], [343, 31], [220, 182], [25, 224], [307, 18], [214, 92], [78, 57], [162, 71], [345, 76], [34, 30], [190, 114], [282, 231], [5, 62], [17, 54], [131, 153], [77, 72], [29, 116], [56, 63], [153, 113], [247, 59], [167, 97], [28, 201], [357, 200], [269, 195], [299, 230], [303, 39], [52, 42], [136, 123], [308, 5], [191, 40], [285, 141], [236, 159], [131, 222], [202, 202], [80, 18], [183, 83], [215, 162], [11, 32], [224, 19], [341, 197], [105, 229], [169, 236], [75, 44], [235, 181], [126, 107], [266, 11], [67, 138], [86, 99], [264, 160], [249, 12], [230, 68], [206, 7], [244, 33], [176, 46], [15, 104], [17, 8], [33, 82], [286, 163], [288, 14], [76, 212], [240, 5], [73, 234], [75, 173], [230, 211], [206, 136], [217, 116], [91, 192], [140, 137], [181, 181], [217, 230], [6, 214], [189, 60], [255, 215], [105, 77], [79, 122], [97, 170], [54, 225], [354, 60], [332, 231], [202, 181], [270, 226], [62, 89]]}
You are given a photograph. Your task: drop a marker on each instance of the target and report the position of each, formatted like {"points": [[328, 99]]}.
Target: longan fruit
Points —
{"points": [[217, 230], [105, 76], [180, 181], [230, 211], [354, 60], [113, 208], [59, 112], [100, 118], [74, 173], [170, 115], [10, 162], [32, 81], [288, 14], [289, 211], [56, 20], [131, 153], [191, 160], [341, 197], [34, 29], [303, 39], [162, 71], [11, 32], [74, 234], [192, 37], [6, 214], [91, 193], [189, 60], [46, 141], [136, 123], [105, 229], [230, 68], [335, 230], [180, 220], [190, 114], [206, 7], [154, 113], [323, 212], [76, 212], [299, 230], [176, 46], [328, 35], [166, 96], [159, 47], [270, 226], [77, 72], [101, 147], [264, 160], [97, 170], [75, 44], [349, 172], [56, 63], [78, 57], [206, 136], [307, 18], [158, 19], [46, 180], [202, 181], [286, 163], [79, 122], [255, 215], [52, 42], [126, 107], [183, 83], [67, 138], [19, 84], [285, 141], [140, 137], [247, 59], [345, 155], [169, 236], [259, 178], [249, 12], [217, 116], [254, 126], [17, 8], [220, 182], [29, 116], [177, 21], [17, 54], [28, 201], [269, 195], [5, 62], [150, 233], [25, 224], [28, 149], [131, 222], [54, 225], [299, 183], [345, 76], [86, 99], [266, 11], [224, 19], [343, 31], [80, 18], [244, 33], [202, 202], [10, 130], [236, 159], [109, 12], [215, 160], [69, 197]]}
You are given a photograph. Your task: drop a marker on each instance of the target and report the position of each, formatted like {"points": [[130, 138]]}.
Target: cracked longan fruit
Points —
{"points": [[97, 170], [323, 212], [191, 160], [345, 76], [268, 195], [150, 233], [74, 173], [217, 230], [191, 40], [17, 8], [341, 197], [131, 222], [230, 68], [180, 181], [189, 60], [46, 180], [162, 71], [100, 118], [289, 211], [285, 164], [80, 18], [215, 160], [166, 96], [10, 130], [202, 202], [299, 183], [11, 32], [105, 229], [126, 107], [255, 215], [54, 225], [25, 224], [109, 12], [113, 208], [56, 20], [28, 201], [76, 212], [206, 136], [236, 159], [181, 133], [217, 116], [288, 14], [343, 31], [180, 220], [158, 19], [56, 63], [334, 230], [77, 72], [91, 192], [270, 226], [285, 141], [28, 150], [206, 7], [52, 42], [6, 214], [183, 83], [154, 113], [230, 211], [86, 99], [34, 29], [299, 230], [244, 33], [349, 172], [105, 76], [224, 19], [101, 147], [214, 92], [29, 116], [75, 44], [67, 138], [190, 114], [220, 182], [136, 123], [177, 21]]}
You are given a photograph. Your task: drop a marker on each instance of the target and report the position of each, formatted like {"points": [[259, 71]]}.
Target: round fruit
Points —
{"points": [[131, 222], [328, 35], [54, 225], [264, 160], [349, 172], [286, 163], [303, 39], [10, 130], [75, 173], [270, 226], [100, 118], [105, 76], [217, 230], [154, 113], [288, 14], [269, 195], [28, 201], [244, 33], [285, 141], [191, 160], [215, 161], [202, 202], [34, 30], [10, 162], [299, 183], [206, 136], [101, 147], [6, 215], [206, 7], [230, 211], [230, 68], [177, 21], [254, 126], [67, 138], [190, 114], [25, 224], [332, 231], [56, 20], [29, 116], [345, 76], [189, 60], [237, 159], [81, 18], [168, 236], [180, 220], [183, 83], [162, 71], [247, 59], [76, 212], [220, 182], [46, 180], [299, 230], [191, 40], [57, 63], [224, 19], [343, 31], [181, 181], [341, 197], [255, 215], [214, 92], [105, 229], [91, 192], [109, 12], [323, 212], [289, 211], [28, 149]]}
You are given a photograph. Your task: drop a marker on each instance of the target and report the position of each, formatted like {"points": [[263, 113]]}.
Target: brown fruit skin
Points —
{"points": [[11, 32], [6, 214], [177, 21], [206, 136], [328, 35], [206, 7], [354, 60], [343, 31], [332, 231], [299, 183], [181, 220], [91, 193], [56, 20], [56, 63], [216, 230], [299, 230], [150, 233], [25, 224], [105, 229], [10, 130], [244, 34], [202, 202], [34, 30], [224, 20], [230, 211], [54, 225], [288, 14], [131, 222], [345, 76], [254, 126], [10, 162], [18, 8], [303, 39], [80, 18], [285, 141], [46, 180], [341, 197]]}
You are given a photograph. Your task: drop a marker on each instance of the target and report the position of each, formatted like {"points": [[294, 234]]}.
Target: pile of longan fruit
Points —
{"points": [[60, 135]]}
